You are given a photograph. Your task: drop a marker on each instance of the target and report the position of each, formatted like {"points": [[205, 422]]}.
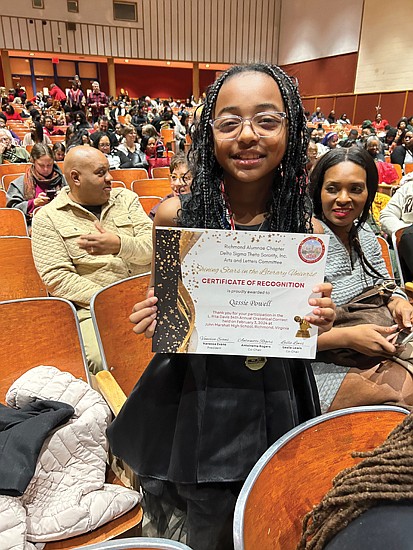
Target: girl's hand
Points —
{"points": [[402, 312], [369, 339], [325, 309], [144, 315]]}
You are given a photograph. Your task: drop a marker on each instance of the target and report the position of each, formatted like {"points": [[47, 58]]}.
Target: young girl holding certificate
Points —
{"points": [[195, 425]]}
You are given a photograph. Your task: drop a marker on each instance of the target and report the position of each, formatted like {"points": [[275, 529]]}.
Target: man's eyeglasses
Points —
{"points": [[264, 125]]}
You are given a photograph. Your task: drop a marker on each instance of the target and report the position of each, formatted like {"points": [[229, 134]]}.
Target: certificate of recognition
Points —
{"points": [[236, 292]]}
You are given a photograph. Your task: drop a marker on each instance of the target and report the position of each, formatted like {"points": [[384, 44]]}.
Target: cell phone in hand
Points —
{"points": [[403, 337], [50, 193]]}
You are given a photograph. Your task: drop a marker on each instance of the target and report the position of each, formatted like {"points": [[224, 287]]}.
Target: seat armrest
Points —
{"points": [[110, 390]]}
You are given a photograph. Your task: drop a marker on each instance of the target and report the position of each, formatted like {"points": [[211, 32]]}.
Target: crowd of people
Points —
{"points": [[209, 418]]}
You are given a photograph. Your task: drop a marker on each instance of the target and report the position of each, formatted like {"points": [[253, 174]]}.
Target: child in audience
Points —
{"points": [[180, 178], [59, 151], [196, 424]]}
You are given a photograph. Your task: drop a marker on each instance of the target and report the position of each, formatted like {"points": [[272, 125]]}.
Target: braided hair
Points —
{"points": [[384, 476], [362, 158], [289, 208]]}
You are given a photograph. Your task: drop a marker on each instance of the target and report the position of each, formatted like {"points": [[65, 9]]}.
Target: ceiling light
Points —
{"points": [[168, 62], [32, 54], [207, 65], [126, 60]]}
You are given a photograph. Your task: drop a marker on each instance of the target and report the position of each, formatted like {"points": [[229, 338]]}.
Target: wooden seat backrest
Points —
{"points": [[18, 274], [408, 168], [38, 331], [156, 186], [57, 138], [161, 172], [45, 331], [3, 198], [398, 169], [297, 471], [8, 178], [18, 168], [12, 223], [148, 202], [141, 543], [125, 354], [128, 175], [385, 252], [168, 135]]}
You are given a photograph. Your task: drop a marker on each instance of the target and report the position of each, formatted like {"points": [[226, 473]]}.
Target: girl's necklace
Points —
{"points": [[229, 216]]}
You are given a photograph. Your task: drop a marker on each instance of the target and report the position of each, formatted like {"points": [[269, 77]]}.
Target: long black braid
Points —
{"points": [[289, 208]]}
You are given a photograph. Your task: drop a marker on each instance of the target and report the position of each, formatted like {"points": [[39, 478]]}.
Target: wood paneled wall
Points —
{"points": [[225, 31]]}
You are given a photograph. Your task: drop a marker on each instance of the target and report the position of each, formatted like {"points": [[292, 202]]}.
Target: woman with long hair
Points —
{"points": [[343, 186], [209, 418], [39, 185], [36, 135]]}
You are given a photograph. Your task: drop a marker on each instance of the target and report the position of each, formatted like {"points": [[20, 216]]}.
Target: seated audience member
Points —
{"points": [[344, 119], [318, 119], [312, 155], [130, 153], [119, 110], [50, 129], [139, 117], [39, 185], [59, 151], [352, 139], [398, 214], [373, 147], [402, 124], [343, 186], [330, 140], [11, 114], [153, 146], [79, 137], [388, 140], [331, 119], [36, 135], [379, 123], [317, 114], [81, 121], [180, 178], [102, 143], [403, 154], [9, 152], [148, 130], [167, 120], [118, 134], [81, 242], [3, 121], [57, 94], [103, 127]]}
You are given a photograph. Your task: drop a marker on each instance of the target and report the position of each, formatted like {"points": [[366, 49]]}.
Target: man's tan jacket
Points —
{"points": [[69, 271]]}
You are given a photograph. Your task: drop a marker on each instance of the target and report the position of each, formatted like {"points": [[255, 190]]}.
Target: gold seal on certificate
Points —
{"points": [[236, 292]]}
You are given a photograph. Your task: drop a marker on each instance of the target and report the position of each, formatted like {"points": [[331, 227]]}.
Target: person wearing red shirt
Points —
{"points": [[57, 93], [11, 114], [380, 123]]}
